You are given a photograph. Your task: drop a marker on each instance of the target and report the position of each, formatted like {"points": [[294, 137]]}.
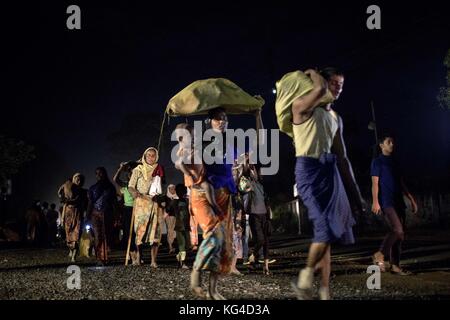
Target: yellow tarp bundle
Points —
{"points": [[203, 95], [293, 85]]}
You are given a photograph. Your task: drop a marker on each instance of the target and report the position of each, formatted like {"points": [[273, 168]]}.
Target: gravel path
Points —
{"points": [[42, 274]]}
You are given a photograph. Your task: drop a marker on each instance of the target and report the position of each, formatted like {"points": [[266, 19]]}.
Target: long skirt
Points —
{"points": [[148, 218], [102, 227], [237, 243], [215, 252], [72, 222], [321, 189]]}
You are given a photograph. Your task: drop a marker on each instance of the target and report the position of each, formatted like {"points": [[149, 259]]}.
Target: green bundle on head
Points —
{"points": [[204, 95]]}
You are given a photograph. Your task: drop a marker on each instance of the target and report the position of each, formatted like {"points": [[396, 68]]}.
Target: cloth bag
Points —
{"points": [[203, 95], [293, 85]]}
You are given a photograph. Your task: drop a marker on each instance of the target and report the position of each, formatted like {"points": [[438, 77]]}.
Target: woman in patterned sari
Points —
{"points": [[144, 184], [102, 197], [212, 253], [75, 202], [221, 178]]}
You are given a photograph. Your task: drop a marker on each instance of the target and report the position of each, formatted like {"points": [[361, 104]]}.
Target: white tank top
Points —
{"points": [[315, 136]]}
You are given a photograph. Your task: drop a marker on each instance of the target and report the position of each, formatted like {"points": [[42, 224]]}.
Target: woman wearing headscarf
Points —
{"points": [[144, 184], [210, 254], [219, 175], [169, 217], [102, 197], [75, 201]]}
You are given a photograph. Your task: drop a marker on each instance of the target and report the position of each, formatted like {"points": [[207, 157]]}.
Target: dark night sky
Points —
{"points": [[68, 91]]}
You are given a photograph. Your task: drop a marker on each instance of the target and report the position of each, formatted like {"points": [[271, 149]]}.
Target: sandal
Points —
{"points": [[270, 261], [400, 272]]}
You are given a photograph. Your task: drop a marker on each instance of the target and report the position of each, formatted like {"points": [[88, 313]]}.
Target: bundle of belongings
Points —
{"points": [[203, 95], [293, 85]]}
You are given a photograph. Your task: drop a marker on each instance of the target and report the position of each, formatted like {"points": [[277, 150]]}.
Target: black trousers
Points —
{"points": [[259, 225]]}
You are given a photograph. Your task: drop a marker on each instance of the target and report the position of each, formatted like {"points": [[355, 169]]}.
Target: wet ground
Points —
{"points": [[32, 273]]}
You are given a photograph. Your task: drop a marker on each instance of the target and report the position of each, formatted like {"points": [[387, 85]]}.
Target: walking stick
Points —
{"points": [[129, 237], [105, 243]]}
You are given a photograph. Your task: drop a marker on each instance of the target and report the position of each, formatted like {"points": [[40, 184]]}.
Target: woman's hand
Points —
{"points": [[376, 208], [414, 206]]}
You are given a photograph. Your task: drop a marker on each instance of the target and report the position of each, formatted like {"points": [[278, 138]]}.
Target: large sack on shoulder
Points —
{"points": [[293, 85], [203, 95]]}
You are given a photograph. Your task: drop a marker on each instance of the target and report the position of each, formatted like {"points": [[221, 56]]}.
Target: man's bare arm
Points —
{"points": [[179, 164], [303, 107], [375, 204], [345, 169], [118, 183]]}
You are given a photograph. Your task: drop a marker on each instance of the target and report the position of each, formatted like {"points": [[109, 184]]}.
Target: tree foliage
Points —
{"points": [[13, 154]]}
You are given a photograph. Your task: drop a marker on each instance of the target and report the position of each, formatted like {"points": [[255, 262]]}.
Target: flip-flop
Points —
{"points": [[270, 261], [401, 272]]}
